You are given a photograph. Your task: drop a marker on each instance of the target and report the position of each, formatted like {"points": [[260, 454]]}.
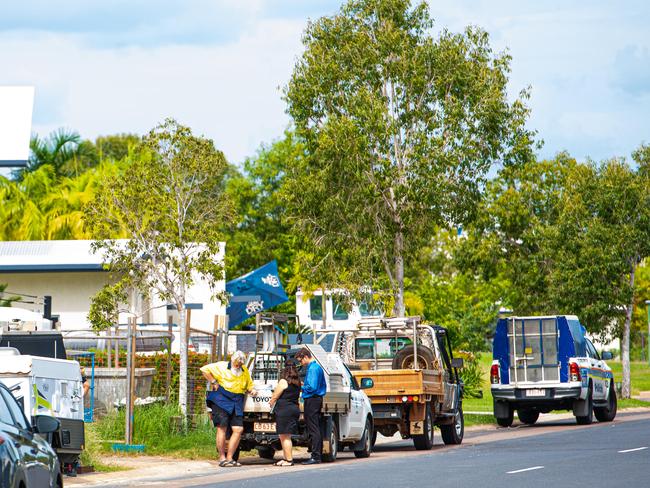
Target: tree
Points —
{"points": [[569, 238], [607, 219], [56, 150], [514, 237], [170, 201], [6, 301], [261, 232], [400, 129]]}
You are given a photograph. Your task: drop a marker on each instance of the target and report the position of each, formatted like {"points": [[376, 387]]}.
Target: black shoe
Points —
{"points": [[311, 461]]}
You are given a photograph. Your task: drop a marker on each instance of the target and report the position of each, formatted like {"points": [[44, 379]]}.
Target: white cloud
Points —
{"points": [[227, 92], [120, 66]]}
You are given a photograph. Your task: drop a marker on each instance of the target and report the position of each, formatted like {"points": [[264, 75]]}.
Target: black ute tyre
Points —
{"points": [[528, 416], [367, 441], [453, 433], [405, 357], [424, 442], [266, 452], [607, 414], [334, 445], [589, 418], [506, 421], [374, 437]]}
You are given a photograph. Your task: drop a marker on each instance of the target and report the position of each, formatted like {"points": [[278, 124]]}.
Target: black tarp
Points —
{"points": [[41, 343]]}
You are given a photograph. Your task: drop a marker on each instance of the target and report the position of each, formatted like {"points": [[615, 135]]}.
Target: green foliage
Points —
{"points": [[400, 129], [103, 312], [166, 202], [42, 206], [260, 232], [6, 301], [153, 427], [472, 374], [564, 236]]}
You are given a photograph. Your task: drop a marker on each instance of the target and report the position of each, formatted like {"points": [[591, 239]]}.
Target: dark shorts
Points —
{"points": [[221, 418]]}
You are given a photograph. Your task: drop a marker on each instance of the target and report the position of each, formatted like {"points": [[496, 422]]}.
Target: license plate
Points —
{"points": [[535, 392], [264, 426]]}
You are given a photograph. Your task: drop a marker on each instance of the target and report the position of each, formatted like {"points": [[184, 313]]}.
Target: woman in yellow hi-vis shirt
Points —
{"points": [[229, 382]]}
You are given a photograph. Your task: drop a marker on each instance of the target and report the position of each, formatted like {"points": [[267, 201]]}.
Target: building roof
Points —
{"points": [[43, 256]]}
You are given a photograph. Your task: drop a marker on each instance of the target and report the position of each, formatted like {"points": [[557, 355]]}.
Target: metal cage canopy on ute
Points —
{"points": [[537, 349]]}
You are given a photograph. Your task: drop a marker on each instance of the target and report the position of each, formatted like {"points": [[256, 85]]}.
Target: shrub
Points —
{"points": [[472, 374]]}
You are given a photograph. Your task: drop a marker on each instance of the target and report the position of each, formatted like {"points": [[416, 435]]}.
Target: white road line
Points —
{"points": [[632, 450], [525, 469]]}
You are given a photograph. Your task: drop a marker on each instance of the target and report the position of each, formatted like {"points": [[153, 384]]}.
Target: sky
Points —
{"points": [[219, 66]]}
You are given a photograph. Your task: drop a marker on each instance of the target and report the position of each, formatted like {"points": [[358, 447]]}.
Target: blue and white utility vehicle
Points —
{"points": [[546, 363]]}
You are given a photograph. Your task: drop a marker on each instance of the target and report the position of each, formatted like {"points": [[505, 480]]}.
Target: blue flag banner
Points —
{"points": [[254, 292]]}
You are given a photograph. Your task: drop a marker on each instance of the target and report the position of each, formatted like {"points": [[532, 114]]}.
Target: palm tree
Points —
{"points": [[56, 150]]}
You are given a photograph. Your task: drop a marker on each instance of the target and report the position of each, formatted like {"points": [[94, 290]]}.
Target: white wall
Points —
{"points": [[70, 291]]}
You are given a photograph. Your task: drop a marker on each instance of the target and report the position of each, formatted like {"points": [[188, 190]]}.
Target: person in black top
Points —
{"points": [[284, 403]]}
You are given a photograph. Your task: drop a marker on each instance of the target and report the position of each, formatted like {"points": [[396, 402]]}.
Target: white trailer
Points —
{"points": [[48, 386]]}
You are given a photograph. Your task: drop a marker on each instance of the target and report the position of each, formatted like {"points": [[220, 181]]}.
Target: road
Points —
{"points": [[551, 454]]}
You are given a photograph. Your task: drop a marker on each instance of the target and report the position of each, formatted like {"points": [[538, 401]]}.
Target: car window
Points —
{"points": [[316, 308], [5, 415], [353, 380], [591, 350], [16, 412], [386, 347]]}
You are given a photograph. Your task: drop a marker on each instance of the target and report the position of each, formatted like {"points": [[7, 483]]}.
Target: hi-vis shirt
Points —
{"points": [[227, 379]]}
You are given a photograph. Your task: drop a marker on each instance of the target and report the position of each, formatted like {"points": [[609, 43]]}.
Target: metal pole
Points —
{"points": [[109, 343], [647, 303], [324, 311], [128, 434], [415, 343], [117, 348], [168, 381]]}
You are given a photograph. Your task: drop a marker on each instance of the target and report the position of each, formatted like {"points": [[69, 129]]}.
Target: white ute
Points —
{"points": [[347, 412]]}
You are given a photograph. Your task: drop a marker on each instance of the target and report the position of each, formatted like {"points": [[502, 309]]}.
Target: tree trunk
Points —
{"points": [[399, 309], [626, 390], [182, 382]]}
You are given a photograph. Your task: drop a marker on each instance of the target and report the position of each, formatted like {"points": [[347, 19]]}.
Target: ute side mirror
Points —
{"points": [[44, 424], [366, 383], [607, 355], [457, 363]]}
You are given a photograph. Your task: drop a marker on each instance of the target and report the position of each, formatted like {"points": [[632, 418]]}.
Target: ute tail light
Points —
{"points": [[574, 372], [494, 374]]}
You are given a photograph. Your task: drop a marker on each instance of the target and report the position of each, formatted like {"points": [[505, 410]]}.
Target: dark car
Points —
{"points": [[26, 459]]}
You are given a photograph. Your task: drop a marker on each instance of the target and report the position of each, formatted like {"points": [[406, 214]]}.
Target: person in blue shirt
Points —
{"points": [[313, 390]]}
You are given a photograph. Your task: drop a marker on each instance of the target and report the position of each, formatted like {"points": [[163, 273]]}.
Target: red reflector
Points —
{"points": [[494, 373], [2, 440], [574, 371], [410, 399]]}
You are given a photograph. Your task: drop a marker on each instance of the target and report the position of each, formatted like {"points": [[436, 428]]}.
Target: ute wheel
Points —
{"points": [[424, 441], [453, 433], [507, 420], [330, 457], [367, 441], [404, 359], [266, 452], [589, 418], [528, 416], [607, 414], [374, 437]]}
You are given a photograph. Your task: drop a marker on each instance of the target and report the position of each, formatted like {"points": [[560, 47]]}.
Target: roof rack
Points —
{"points": [[373, 323]]}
